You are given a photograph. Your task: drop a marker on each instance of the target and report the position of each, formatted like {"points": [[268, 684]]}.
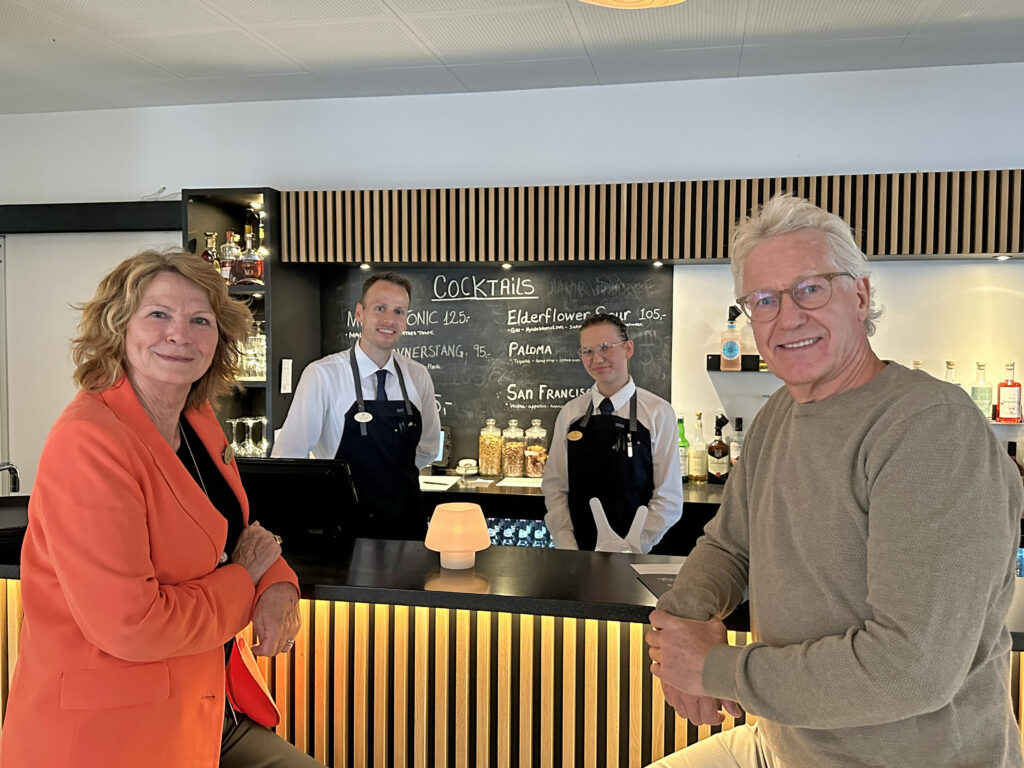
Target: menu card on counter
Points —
{"points": [[657, 577]]}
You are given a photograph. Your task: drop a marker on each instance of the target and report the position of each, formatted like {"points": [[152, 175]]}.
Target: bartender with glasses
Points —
{"points": [[616, 443], [375, 408]]}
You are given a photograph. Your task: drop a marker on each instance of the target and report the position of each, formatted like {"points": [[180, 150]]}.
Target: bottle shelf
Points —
{"points": [[246, 290], [249, 382], [747, 363]]}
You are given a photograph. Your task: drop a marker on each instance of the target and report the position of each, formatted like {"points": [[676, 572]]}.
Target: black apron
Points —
{"points": [[611, 460], [382, 455]]}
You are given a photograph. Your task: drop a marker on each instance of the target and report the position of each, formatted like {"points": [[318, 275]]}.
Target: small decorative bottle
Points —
{"points": [[536, 452], [698, 455], [490, 450], [731, 358], [951, 373], [981, 392], [718, 454], [1008, 402], [248, 268], [684, 449], [736, 443], [512, 445], [210, 253], [229, 253]]}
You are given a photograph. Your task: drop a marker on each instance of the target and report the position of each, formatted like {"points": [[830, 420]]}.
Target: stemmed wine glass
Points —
{"points": [[248, 447], [236, 448], [264, 443]]}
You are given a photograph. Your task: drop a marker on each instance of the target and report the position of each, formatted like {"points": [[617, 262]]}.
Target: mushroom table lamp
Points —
{"points": [[458, 531]]}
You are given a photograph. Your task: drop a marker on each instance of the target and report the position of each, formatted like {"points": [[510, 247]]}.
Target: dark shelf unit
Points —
{"points": [[288, 303], [747, 363]]}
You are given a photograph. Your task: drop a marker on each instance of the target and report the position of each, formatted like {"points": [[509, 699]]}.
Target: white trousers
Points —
{"points": [[739, 747]]}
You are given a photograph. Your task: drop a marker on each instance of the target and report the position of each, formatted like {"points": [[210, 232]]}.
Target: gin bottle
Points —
{"points": [[1008, 402], [981, 392]]}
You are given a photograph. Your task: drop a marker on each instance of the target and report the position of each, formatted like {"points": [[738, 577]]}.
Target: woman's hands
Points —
{"points": [[275, 620], [257, 549]]}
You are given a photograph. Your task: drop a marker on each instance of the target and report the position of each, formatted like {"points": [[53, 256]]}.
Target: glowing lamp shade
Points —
{"points": [[632, 4], [458, 531]]}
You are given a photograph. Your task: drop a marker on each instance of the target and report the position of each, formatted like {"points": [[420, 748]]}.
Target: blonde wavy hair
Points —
{"points": [[98, 349]]}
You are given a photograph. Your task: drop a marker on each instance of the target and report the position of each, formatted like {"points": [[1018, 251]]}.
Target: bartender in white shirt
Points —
{"points": [[375, 408], [618, 443]]}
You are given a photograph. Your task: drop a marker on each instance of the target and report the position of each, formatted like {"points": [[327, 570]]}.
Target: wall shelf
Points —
{"points": [[747, 362]]}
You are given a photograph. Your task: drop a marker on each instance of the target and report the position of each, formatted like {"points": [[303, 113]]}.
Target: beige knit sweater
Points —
{"points": [[877, 530]]}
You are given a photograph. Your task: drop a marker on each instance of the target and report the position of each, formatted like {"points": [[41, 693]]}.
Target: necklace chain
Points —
{"points": [[195, 463]]}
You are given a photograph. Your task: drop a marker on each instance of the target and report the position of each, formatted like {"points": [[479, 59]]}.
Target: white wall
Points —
{"points": [[966, 311], [946, 118], [45, 275]]}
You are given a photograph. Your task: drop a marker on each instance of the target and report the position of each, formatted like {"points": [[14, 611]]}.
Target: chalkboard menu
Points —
{"points": [[503, 344]]}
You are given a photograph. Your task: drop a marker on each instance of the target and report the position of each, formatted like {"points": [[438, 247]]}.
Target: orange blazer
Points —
{"points": [[126, 612]]}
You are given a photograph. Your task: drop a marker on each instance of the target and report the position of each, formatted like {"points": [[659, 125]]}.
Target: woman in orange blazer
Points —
{"points": [[139, 563]]}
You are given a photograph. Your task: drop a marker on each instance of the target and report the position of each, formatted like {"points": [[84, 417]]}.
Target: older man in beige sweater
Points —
{"points": [[873, 518]]}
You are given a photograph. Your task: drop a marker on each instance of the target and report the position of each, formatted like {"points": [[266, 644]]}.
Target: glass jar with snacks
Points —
{"points": [[490, 450], [512, 450], [536, 453]]}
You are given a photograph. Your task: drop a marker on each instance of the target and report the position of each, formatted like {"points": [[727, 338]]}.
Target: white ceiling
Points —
{"points": [[58, 55]]}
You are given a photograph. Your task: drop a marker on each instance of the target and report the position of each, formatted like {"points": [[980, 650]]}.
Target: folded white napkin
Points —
{"points": [[608, 540]]}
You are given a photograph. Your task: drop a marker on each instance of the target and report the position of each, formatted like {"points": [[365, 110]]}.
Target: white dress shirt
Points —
{"points": [[666, 505], [316, 419]]}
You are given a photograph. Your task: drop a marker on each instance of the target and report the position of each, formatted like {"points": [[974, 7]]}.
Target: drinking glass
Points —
{"points": [[264, 443], [248, 447], [236, 448]]}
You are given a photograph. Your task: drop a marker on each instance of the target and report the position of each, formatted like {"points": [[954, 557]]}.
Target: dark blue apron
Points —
{"points": [[382, 455], [611, 460]]}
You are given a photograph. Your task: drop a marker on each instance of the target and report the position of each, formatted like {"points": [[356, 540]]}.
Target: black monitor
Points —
{"points": [[305, 501]]}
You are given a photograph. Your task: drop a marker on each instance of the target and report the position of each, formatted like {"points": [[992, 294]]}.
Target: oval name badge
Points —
{"points": [[229, 454], [574, 435], [362, 417]]}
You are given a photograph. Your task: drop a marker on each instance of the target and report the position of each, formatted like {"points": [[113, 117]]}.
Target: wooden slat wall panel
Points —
{"points": [[594, 690], [904, 214]]}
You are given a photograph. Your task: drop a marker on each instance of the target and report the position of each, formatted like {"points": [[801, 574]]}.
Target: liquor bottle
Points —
{"points": [[1008, 398], [731, 359], [229, 253], [248, 267], [951, 373], [684, 449], [981, 392], [697, 456], [718, 454], [210, 253], [736, 443]]}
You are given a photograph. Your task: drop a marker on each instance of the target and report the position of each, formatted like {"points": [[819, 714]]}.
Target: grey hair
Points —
{"points": [[784, 214]]}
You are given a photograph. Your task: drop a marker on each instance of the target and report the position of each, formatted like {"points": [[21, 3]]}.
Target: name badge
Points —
{"points": [[362, 417], [229, 454], [574, 435]]}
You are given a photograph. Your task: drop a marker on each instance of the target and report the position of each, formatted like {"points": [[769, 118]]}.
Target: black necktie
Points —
{"points": [[606, 408], [382, 391]]}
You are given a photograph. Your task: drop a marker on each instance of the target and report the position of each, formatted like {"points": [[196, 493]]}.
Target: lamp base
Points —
{"points": [[457, 561]]}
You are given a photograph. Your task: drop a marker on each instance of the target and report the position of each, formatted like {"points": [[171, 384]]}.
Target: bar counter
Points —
{"points": [[534, 657]]}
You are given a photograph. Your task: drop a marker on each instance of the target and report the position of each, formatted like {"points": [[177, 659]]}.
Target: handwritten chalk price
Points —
{"points": [[480, 349]]}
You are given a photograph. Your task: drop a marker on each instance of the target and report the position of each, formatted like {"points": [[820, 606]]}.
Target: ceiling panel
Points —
{"points": [[842, 55], [134, 17], [777, 21], [690, 25], [19, 22], [393, 81], [358, 43], [259, 12], [210, 54], [461, 6], [301, 85], [75, 62], [660, 66], [523, 75], [470, 38]]}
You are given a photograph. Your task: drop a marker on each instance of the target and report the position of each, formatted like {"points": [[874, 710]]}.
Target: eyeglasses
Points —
{"points": [[603, 348], [810, 293]]}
